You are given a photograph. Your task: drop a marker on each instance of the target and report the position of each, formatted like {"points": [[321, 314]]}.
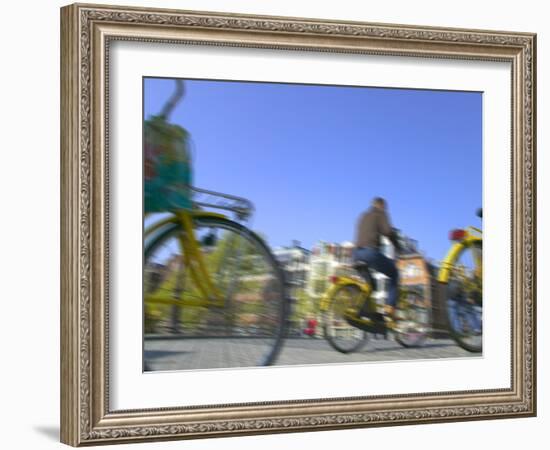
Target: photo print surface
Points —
{"points": [[296, 224]]}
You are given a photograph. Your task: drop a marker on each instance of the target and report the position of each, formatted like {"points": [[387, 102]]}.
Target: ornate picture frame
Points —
{"points": [[87, 32]]}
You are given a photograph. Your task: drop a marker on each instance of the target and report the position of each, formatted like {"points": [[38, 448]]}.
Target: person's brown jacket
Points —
{"points": [[371, 225]]}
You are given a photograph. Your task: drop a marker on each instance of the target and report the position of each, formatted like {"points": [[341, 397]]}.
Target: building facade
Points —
{"points": [[295, 261]]}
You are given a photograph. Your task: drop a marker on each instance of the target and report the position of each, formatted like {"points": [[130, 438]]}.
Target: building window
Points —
{"points": [[411, 271]]}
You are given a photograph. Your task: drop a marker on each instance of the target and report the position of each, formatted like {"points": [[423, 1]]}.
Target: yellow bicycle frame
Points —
{"points": [[193, 261], [456, 249], [366, 290]]}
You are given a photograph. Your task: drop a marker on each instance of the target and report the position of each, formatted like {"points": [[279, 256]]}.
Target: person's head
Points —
{"points": [[379, 203]]}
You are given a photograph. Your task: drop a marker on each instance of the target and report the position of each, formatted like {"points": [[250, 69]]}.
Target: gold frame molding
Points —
{"points": [[86, 31]]}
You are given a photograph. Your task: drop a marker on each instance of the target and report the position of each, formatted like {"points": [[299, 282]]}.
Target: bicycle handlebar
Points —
{"points": [[173, 100]]}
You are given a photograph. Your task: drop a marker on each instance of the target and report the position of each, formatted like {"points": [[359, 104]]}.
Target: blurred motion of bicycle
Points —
{"points": [[350, 312], [222, 277], [461, 273], [207, 278]]}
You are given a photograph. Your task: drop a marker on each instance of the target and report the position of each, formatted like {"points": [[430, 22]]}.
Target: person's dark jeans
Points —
{"points": [[376, 260]]}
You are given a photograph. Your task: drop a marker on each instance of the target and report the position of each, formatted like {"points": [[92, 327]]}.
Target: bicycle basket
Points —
{"points": [[167, 166]]}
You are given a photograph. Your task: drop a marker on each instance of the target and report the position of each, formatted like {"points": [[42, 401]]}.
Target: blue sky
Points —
{"points": [[311, 157]]}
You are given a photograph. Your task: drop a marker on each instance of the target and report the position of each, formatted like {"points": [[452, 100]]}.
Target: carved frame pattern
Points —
{"points": [[85, 416]]}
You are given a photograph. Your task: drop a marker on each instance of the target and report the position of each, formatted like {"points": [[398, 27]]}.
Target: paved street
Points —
{"points": [[180, 354]]}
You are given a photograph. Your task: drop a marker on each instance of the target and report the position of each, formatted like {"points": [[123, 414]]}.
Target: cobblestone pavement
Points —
{"points": [[182, 354]]}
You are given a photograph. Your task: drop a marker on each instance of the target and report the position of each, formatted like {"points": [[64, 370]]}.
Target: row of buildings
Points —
{"points": [[309, 271]]}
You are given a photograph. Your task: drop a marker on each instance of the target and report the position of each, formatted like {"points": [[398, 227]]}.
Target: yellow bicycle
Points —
{"points": [[350, 313], [212, 280], [461, 274]]}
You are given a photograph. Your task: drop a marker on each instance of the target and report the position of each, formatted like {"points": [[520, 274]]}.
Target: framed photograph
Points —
{"points": [[276, 224]]}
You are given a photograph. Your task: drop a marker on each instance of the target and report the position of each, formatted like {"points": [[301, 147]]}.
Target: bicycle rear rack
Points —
{"points": [[241, 207]]}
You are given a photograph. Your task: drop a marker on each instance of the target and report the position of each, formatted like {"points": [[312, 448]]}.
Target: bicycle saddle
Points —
{"points": [[360, 265]]}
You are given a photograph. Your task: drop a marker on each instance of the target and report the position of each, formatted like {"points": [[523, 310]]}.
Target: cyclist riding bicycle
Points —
{"points": [[372, 225]]}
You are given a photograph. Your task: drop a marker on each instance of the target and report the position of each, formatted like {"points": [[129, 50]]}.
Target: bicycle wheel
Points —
{"points": [[412, 320], [463, 300], [233, 317], [341, 335]]}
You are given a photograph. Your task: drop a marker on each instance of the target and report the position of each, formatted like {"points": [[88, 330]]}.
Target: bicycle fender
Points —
{"points": [[157, 225], [448, 263], [174, 219], [199, 214], [329, 294], [450, 259]]}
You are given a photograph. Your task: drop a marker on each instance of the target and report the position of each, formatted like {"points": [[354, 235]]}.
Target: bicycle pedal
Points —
{"points": [[351, 312], [399, 315], [391, 323]]}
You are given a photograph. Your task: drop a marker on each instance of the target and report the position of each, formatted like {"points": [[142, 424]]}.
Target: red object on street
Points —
{"points": [[311, 325]]}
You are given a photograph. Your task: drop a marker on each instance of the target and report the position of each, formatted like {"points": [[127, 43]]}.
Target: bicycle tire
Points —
{"points": [[459, 308], [336, 307], [412, 322], [280, 311]]}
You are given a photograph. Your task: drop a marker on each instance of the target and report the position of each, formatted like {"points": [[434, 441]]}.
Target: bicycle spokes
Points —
{"points": [[225, 283], [464, 299], [412, 319], [338, 330]]}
